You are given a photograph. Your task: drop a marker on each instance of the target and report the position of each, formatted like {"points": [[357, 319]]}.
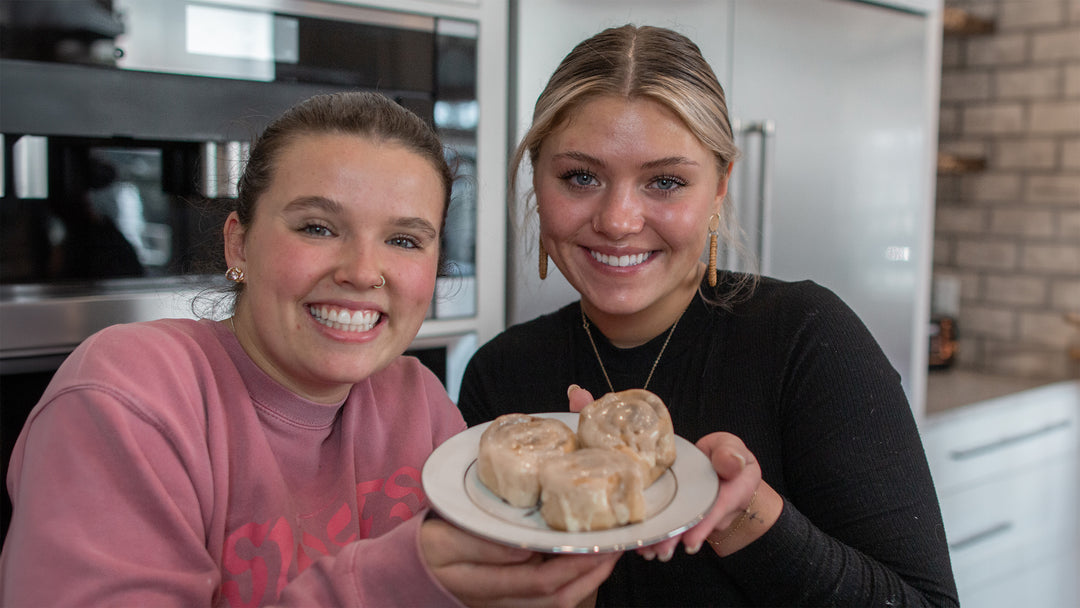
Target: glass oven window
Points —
{"points": [[456, 113], [109, 211]]}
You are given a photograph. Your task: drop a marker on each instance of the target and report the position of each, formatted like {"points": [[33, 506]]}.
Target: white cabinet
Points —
{"points": [[1007, 473]]}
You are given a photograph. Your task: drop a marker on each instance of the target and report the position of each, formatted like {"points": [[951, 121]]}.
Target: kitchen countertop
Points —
{"points": [[950, 388]]}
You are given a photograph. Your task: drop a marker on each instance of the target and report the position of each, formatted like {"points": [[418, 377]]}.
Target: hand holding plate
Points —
{"points": [[483, 573]]}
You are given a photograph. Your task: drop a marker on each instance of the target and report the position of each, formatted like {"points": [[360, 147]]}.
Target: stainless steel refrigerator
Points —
{"points": [[835, 108]]}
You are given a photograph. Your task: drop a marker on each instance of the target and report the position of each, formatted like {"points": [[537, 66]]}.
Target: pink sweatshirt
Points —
{"points": [[163, 468]]}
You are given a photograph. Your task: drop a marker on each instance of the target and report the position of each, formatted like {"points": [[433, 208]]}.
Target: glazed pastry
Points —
{"points": [[634, 421], [591, 489], [511, 451]]}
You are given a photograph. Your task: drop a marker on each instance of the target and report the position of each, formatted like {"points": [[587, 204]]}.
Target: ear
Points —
{"points": [[234, 241], [722, 186]]}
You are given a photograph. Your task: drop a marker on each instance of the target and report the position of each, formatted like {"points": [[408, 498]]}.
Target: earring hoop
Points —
{"points": [[235, 274], [714, 227], [382, 284]]}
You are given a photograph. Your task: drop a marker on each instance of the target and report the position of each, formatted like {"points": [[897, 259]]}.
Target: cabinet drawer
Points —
{"points": [[997, 527], [1002, 435], [1049, 582]]}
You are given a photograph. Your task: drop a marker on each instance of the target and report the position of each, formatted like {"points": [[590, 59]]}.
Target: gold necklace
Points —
{"points": [[585, 324]]}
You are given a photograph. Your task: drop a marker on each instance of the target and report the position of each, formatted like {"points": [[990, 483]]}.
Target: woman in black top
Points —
{"points": [[826, 497]]}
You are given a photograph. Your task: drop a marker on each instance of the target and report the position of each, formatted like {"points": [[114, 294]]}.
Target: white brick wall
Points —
{"points": [[1070, 153], [1044, 329], [1051, 259], [994, 119], [1065, 294], [1058, 189], [1028, 14], [960, 86], [1027, 83], [983, 254], [997, 50], [1023, 223], [1056, 117], [1072, 81], [1026, 153], [1011, 233], [1069, 227], [1016, 290], [957, 220], [993, 187], [1060, 44]]}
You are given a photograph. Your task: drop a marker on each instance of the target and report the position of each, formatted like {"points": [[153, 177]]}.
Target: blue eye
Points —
{"points": [[316, 230], [667, 184], [579, 178], [405, 242]]}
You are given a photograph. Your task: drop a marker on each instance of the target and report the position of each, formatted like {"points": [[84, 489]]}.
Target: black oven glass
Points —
{"points": [[112, 210]]}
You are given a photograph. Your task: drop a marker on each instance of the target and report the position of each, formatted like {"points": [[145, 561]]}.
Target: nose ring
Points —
{"points": [[380, 285]]}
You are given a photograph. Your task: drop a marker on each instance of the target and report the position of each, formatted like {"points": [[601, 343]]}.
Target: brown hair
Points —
{"points": [[365, 114]]}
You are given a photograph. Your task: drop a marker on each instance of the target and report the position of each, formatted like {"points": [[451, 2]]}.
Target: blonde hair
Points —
{"points": [[639, 62]]}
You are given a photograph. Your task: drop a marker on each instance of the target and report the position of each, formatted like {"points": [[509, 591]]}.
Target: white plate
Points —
{"points": [[673, 503]]}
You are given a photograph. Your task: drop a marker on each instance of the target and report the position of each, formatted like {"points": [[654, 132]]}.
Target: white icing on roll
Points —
{"points": [[591, 489], [511, 451], [634, 421]]}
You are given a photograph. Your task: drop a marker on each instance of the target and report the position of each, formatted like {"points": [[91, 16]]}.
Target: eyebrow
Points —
{"points": [[314, 202], [581, 157], [418, 224], [669, 161]]}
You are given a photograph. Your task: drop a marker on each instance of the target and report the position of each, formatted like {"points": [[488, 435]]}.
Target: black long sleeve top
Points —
{"points": [[794, 373]]}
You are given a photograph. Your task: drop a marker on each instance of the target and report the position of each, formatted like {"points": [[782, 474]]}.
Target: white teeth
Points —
{"points": [[620, 261], [360, 320]]}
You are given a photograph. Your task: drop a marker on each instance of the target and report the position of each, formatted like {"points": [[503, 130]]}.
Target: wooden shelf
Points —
{"points": [[953, 164], [958, 22]]}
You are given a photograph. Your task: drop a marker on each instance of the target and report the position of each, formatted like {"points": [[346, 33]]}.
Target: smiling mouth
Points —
{"points": [[620, 261], [344, 320]]}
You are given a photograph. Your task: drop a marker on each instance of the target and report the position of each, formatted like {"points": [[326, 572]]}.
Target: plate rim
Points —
{"points": [[455, 455]]}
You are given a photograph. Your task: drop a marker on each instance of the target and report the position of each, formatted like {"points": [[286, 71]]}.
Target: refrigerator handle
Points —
{"points": [[763, 203]]}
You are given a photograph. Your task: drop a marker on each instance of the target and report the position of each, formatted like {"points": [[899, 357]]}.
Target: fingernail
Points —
{"points": [[741, 459], [667, 555], [648, 555], [692, 549], [571, 389]]}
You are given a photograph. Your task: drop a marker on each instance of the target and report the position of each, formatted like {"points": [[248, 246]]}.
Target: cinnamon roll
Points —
{"points": [[511, 451], [591, 489], [634, 421]]}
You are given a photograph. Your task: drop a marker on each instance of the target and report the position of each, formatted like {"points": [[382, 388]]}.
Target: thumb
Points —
{"points": [[578, 397], [728, 462]]}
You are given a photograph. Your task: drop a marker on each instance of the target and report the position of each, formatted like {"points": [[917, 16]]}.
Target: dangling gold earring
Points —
{"points": [[714, 227], [543, 260]]}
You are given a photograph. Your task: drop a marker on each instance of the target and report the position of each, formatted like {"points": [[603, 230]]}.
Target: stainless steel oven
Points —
{"points": [[125, 121]]}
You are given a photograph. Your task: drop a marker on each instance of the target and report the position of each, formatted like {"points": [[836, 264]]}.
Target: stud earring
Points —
{"points": [[543, 260], [235, 274], [714, 227]]}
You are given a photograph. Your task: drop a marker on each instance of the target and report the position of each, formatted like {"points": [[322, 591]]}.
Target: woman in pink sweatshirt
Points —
{"points": [[274, 457]]}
